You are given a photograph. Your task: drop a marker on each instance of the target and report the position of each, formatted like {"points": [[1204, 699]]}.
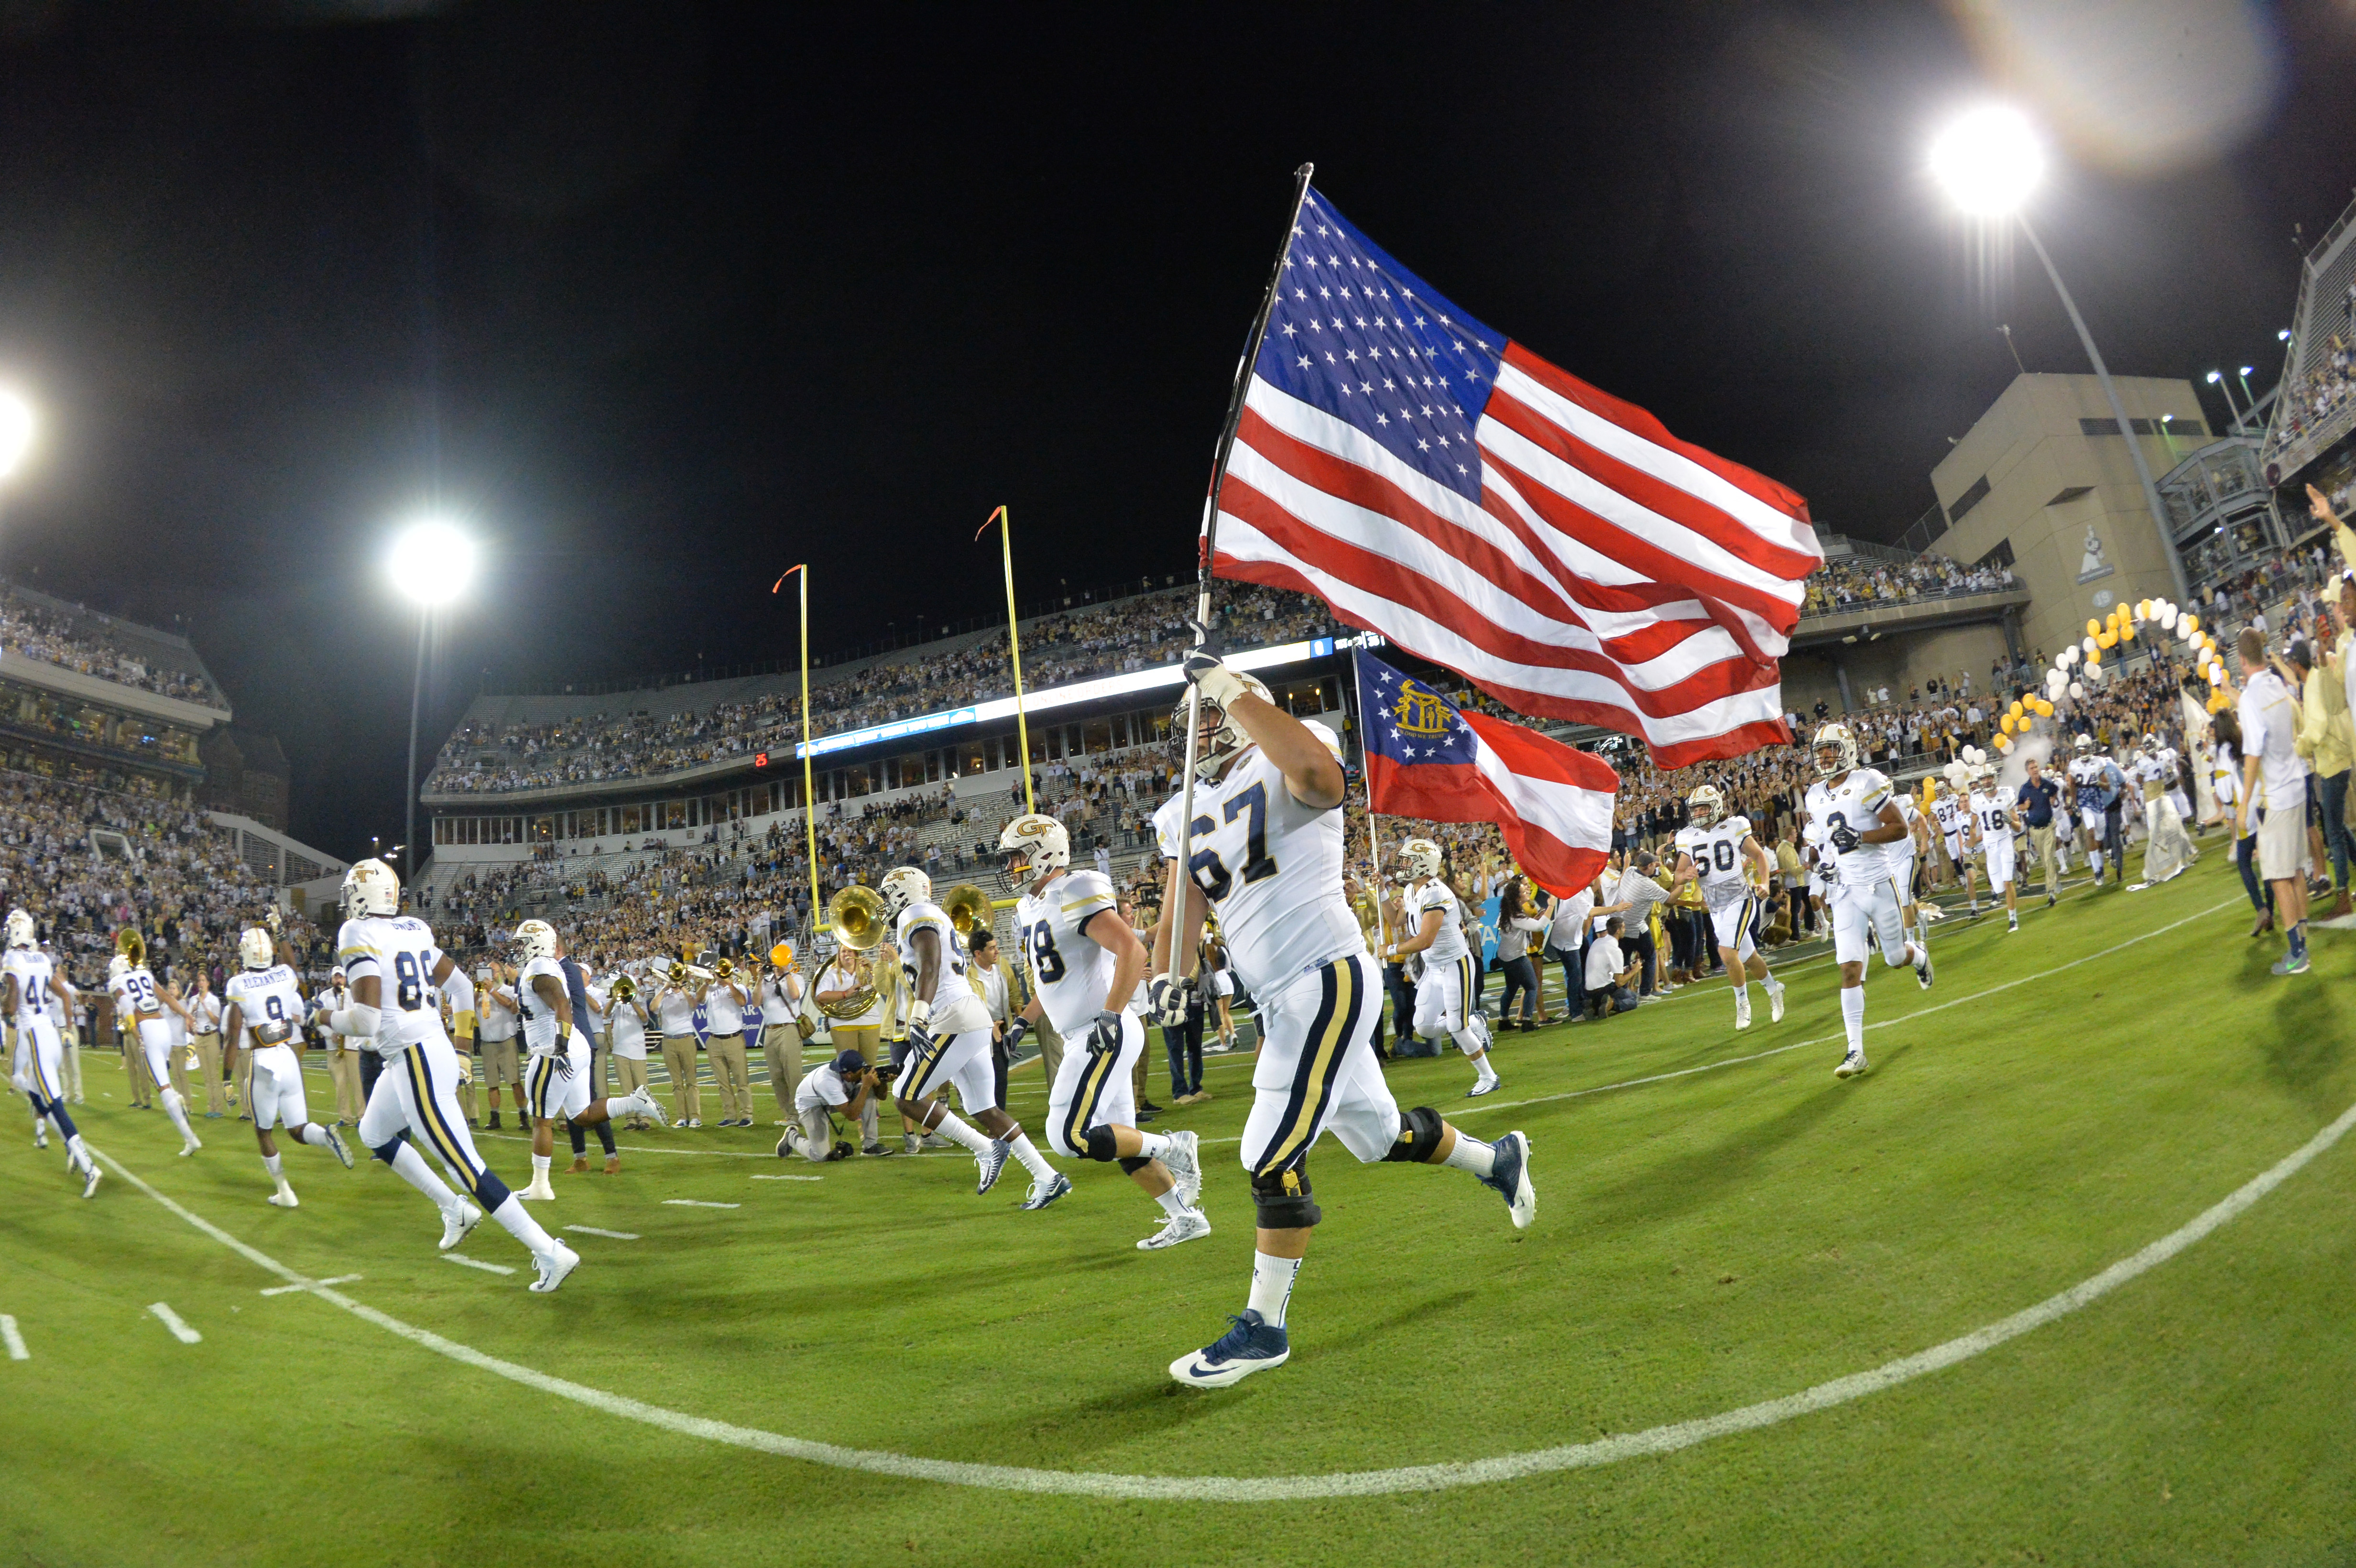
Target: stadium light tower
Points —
{"points": [[1988, 162], [430, 562]]}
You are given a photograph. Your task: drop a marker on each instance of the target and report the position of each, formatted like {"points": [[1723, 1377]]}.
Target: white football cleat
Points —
{"points": [[459, 1225], [1250, 1345], [191, 1147], [640, 1102], [337, 1145], [1774, 1004], [1852, 1066], [540, 1192], [1185, 1168], [284, 1198], [90, 1182], [1042, 1193], [1741, 1009], [559, 1261], [1186, 1226]]}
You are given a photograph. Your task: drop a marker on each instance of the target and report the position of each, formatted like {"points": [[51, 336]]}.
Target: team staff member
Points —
{"points": [[723, 1011], [782, 990], [675, 1013], [203, 1033], [343, 1057], [2040, 798], [988, 977], [497, 1023]]}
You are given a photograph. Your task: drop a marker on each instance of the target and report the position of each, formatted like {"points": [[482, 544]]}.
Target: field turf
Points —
{"points": [[1740, 1232]]}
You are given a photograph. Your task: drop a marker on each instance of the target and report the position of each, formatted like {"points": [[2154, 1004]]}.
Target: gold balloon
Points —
{"points": [[2107, 640], [2189, 623], [2093, 628]]}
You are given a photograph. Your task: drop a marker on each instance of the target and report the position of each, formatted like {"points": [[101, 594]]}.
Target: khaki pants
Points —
{"points": [[1051, 1049], [734, 1078], [865, 1038], [631, 1072], [781, 1053], [2040, 850], [69, 1056], [135, 1071], [678, 1055], [344, 1071], [176, 1064], [209, 1064]]}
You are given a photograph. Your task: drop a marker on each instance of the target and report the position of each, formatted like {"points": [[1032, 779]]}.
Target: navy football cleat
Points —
{"points": [[1250, 1345], [993, 1160], [1045, 1192], [1510, 1179]]}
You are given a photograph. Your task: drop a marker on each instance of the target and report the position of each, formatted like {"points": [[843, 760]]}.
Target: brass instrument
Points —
{"points": [[131, 946], [968, 907], [856, 913], [781, 957], [624, 988], [678, 972], [724, 970]]}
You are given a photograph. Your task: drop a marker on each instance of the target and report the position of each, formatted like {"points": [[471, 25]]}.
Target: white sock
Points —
{"points": [[1853, 1015], [312, 1133], [1032, 1160], [540, 1163], [522, 1226], [1742, 987], [179, 1117], [410, 1166], [1774, 987], [273, 1164], [1172, 1204], [79, 1151], [1271, 1286], [1473, 1155], [959, 1133], [1153, 1145]]}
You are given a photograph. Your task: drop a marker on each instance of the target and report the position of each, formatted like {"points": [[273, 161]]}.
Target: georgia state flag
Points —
{"points": [[1427, 759]]}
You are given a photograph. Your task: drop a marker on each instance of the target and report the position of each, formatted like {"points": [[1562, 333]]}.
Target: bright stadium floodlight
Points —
{"points": [[1988, 161], [17, 424], [431, 562]]}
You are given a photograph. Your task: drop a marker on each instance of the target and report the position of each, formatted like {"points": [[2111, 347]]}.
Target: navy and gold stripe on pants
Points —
{"points": [[1468, 980], [1084, 1095], [915, 1074], [1319, 1069], [437, 1130], [536, 1082]]}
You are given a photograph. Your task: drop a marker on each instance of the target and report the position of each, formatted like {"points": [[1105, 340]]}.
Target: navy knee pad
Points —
{"points": [[1133, 1163], [1283, 1199], [1419, 1138], [391, 1150], [1100, 1145]]}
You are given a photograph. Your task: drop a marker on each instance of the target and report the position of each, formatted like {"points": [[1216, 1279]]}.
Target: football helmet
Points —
{"points": [[371, 889], [256, 949], [1219, 737], [903, 886], [1834, 751], [21, 930], [1705, 806], [117, 967], [1033, 845], [1422, 857], [2083, 745], [535, 938]]}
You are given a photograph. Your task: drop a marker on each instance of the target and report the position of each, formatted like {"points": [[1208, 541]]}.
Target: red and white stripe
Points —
{"points": [[1610, 573], [1557, 803]]}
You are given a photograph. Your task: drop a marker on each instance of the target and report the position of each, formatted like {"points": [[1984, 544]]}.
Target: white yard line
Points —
{"points": [[698, 1203], [477, 1263], [609, 1235], [1665, 1439], [171, 1319], [290, 1289], [12, 1340], [789, 1178]]}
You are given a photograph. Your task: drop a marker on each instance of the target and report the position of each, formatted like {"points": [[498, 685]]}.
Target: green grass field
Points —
{"points": [[1738, 1233]]}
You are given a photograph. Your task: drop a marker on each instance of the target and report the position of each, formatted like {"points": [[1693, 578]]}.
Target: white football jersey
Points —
{"points": [[261, 996], [1717, 852], [1071, 971], [1271, 869], [1992, 810], [399, 950], [1449, 943], [1949, 813], [32, 967], [1856, 801], [136, 1001], [956, 1008], [539, 1031]]}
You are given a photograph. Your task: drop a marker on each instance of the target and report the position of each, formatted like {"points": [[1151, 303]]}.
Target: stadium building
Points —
{"points": [[2312, 438]]}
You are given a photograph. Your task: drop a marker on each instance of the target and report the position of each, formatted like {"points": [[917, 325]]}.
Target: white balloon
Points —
{"points": [[2077, 689], [2090, 645]]}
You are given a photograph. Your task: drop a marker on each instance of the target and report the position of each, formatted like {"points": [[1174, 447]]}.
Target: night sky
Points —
{"points": [[663, 298]]}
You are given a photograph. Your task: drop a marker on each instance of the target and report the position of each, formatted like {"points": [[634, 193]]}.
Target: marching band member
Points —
{"points": [[675, 1008], [725, 996], [782, 994]]}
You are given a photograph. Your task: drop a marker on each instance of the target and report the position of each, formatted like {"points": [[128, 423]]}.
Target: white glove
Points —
{"points": [[920, 1014], [1215, 680]]}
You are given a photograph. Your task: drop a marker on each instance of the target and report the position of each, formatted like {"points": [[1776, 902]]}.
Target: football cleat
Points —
{"points": [[457, 1226], [1045, 1192], [1923, 975], [1852, 1066], [1487, 1086], [992, 1161], [40, 1137], [1186, 1226], [1510, 1179], [284, 1198], [1179, 1160], [1250, 1345], [336, 1146], [1774, 1004], [2012, 925], [1741, 1009], [640, 1102], [559, 1261], [540, 1192], [89, 1181]]}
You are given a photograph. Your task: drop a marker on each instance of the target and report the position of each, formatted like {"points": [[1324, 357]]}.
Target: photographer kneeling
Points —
{"points": [[848, 1084]]}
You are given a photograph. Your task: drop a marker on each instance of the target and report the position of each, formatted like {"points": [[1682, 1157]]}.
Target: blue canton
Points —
{"points": [[1360, 337], [1407, 721]]}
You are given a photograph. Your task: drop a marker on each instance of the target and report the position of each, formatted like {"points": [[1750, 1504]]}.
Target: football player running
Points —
{"points": [[556, 1074], [1995, 815], [136, 999], [1086, 964], [1264, 850], [1731, 865], [393, 965], [948, 1042], [1864, 896], [29, 977], [1448, 997], [263, 1010]]}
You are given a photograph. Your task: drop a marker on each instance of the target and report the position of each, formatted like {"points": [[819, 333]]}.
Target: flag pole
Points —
{"points": [[1175, 908], [809, 801], [1366, 778], [1013, 647]]}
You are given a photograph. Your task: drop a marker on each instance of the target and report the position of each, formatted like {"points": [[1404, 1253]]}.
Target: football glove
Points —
{"points": [[1844, 838], [1166, 999], [1014, 1033], [919, 1038], [1205, 670], [561, 1060], [1104, 1036]]}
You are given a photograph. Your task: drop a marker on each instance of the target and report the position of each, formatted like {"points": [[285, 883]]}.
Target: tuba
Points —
{"points": [[856, 913], [968, 907], [129, 944]]}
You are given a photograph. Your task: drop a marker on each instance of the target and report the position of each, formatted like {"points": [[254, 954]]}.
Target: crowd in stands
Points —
{"points": [[1127, 635], [2314, 398], [33, 631], [1852, 582]]}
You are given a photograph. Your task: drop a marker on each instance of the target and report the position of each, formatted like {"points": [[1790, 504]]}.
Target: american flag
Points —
{"points": [[1434, 482]]}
